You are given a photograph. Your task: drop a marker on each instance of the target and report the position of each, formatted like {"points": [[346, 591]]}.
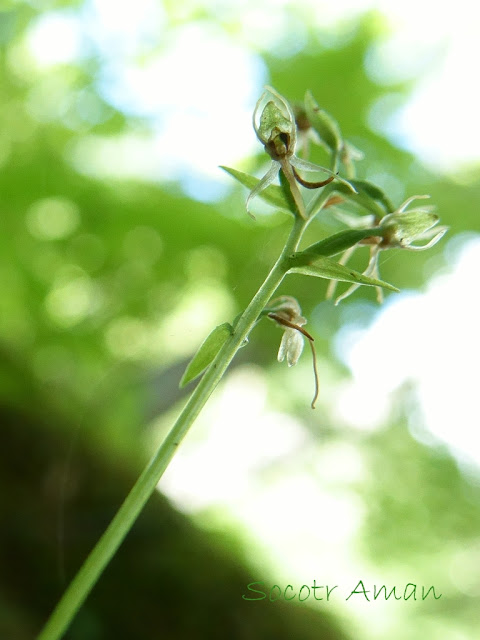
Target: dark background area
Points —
{"points": [[88, 362]]}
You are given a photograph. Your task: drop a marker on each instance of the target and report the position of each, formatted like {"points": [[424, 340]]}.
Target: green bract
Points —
{"points": [[206, 352], [329, 269], [332, 245], [368, 196], [323, 123], [273, 194]]}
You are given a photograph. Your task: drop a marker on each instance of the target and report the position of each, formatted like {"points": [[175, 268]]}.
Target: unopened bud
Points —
{"points": [[323, 123]]}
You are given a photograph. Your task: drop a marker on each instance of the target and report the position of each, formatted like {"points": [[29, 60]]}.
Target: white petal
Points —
{"points": [[300, 163], [267, 179], [295, 348], [290, 346], [283, 347], [332, 285], [405, 204], [440, 232], [256, 111]]}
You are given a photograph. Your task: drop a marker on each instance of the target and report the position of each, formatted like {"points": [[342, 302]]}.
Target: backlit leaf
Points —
{"points": [[337, 243], [273, 194], [331, 270], [369, 196], [323, 123], [206, 352]]}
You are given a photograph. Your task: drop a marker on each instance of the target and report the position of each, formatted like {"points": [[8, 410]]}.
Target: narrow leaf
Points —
{"points": [[369, 196], [267, 180], [337, 243], [206, 352], [273, 194], [331, 270], [371, 190]]}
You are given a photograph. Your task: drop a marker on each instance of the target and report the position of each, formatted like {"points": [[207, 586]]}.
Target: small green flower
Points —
{"points": [[402, 228], [286, 312], [274, 124], [397, 230]]}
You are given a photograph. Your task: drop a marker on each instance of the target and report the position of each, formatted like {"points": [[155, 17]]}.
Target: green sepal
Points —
{"points": [[326, 268], [287, 192], [337, 243], [407, 226], [368, 195], [206, 352], [323, 123], [273, 194], [273, 123]]}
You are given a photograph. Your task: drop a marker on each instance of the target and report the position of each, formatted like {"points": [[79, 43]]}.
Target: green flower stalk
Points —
{"points": [[276, 128]]}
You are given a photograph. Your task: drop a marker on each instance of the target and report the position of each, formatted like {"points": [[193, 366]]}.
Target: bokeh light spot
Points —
{"points": [[53, 218], [70, 302], [55, 38]]}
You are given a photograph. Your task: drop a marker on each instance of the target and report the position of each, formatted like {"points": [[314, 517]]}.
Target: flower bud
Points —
{"points": [[276, 128], [323, 123]]}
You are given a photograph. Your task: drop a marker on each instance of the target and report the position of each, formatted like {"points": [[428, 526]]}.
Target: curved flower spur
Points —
{"points": [[275, 127], [286, 312]]}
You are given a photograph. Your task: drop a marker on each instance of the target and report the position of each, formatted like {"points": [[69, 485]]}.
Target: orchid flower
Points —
{"points": [[275, 127], [286, 312], [397, 230]]}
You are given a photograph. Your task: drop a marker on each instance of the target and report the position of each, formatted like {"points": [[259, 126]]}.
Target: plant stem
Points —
{"points": [[121, 524]]}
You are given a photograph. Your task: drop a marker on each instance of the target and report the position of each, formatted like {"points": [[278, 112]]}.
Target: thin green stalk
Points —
{"points": [[108, 544]]}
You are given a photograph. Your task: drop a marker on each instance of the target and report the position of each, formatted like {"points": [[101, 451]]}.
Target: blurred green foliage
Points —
{"points": [[108, 287]]}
